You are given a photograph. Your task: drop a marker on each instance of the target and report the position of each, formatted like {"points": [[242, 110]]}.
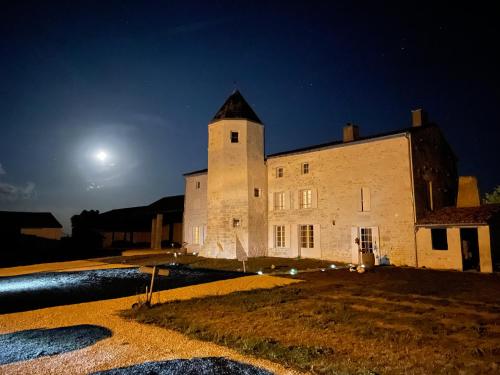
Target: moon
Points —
{"points": [[101, 155]]}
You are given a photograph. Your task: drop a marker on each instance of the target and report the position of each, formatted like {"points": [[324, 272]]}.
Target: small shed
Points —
{"points": [[460, 238]]}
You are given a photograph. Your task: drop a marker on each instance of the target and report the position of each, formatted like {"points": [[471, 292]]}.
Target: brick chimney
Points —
{"points": [[418, 117], [468, 192], [351, 132]]}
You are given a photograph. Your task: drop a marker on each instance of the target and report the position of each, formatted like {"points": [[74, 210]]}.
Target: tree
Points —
{"points": [[493, 197], [84, 232]]}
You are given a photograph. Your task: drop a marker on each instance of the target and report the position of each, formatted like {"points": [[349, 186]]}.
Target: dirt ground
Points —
{"points": [[388, 321]]}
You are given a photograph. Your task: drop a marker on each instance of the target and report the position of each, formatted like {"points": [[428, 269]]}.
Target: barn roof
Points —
{"points": [[139, 218], [484, 214], [14, 219]]}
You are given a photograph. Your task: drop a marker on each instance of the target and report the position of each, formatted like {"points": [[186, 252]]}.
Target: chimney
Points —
{"points": [[418, 117], [468, 192], [351, 132]]}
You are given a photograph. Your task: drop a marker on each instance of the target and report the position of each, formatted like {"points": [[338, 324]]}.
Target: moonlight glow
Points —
{"points": [[101, 155]]}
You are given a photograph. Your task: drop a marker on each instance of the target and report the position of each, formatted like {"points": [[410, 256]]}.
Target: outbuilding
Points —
{"points": [[460, 238]]}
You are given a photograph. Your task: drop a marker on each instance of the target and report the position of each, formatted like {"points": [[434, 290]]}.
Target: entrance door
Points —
{"points": [[470, 248]]}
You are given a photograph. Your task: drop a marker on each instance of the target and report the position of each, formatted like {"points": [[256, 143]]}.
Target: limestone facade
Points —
{"points": [[320, 201]]}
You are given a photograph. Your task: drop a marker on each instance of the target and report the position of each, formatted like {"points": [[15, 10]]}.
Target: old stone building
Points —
{"points": [[325, 201]]}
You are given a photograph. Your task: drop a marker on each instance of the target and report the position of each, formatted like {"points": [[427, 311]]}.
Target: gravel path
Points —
{"points": [[131, 343], [74, 265]]}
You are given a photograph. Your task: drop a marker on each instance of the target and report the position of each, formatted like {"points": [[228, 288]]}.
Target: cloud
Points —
{"points": [[9, 192], [2, 171]]}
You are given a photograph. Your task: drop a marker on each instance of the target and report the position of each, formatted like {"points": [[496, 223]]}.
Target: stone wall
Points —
{"points": [[50, 233], [440, 259], [381, 167], [435, 163], [195, 210], [233, 170]]}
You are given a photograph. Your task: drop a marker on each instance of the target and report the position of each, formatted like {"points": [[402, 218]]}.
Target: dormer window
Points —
{"points": [[234, 137]]}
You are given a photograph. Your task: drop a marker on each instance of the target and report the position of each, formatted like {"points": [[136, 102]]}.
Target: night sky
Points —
{"points": [[106, 104]]}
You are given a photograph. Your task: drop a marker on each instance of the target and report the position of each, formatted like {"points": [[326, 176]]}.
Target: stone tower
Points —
{"points": [[237, 183]]}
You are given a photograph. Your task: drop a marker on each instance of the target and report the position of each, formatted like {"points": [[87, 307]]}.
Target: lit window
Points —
{"points": [[279, 236], [279, 200], [307, 236], [196, 235], [234, 137], [256, 192], [236, 223], [198, 184], [439, 239], [305, 197], [366, 240], [305, 168], [279, 172]]}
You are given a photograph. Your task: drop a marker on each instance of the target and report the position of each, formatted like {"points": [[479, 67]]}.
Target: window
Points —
{"points": [[366, 240], [256, 192], [196, 235], [279, 236], [439, 239], [307, 236], [305, 168], [236, 223], [198, 184], [234, 137], [305, 198], [365, 199], [279, 200], [279, 172]]}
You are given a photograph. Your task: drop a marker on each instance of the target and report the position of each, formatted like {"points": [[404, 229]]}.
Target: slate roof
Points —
{"points": [[196, 172], [413, 129], [139, 218], [484, 214], [236, 107], [13, 219]]}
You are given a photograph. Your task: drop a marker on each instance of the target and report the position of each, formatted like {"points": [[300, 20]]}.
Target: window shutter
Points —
{"points": [[270, 237], [376, 245], [287, 205], [296, 202], [367, 202], [354, 246], [270, 202], [288, 236], [359, 199], [317, 236], [314, 198]]}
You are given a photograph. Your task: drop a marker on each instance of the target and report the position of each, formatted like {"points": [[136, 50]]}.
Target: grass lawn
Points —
{"points": [[264, 264], [388, 321]]}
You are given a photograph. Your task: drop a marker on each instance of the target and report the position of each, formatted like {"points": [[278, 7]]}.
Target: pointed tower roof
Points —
{"points": [[236, 107]]}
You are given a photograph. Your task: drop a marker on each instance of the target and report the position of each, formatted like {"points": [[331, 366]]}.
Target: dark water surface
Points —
{"points": [[34, 291]]}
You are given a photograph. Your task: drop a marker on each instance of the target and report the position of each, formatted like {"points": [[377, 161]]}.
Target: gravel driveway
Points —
{"points": [[130, 343]]}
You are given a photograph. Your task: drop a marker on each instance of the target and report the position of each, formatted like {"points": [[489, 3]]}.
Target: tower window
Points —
{"points": [[198, 184], [279, 172], [256, 192], [236, 223], [234, 137]]}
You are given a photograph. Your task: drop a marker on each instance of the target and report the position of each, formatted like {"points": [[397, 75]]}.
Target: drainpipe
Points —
{"points": [[408, 137]]}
